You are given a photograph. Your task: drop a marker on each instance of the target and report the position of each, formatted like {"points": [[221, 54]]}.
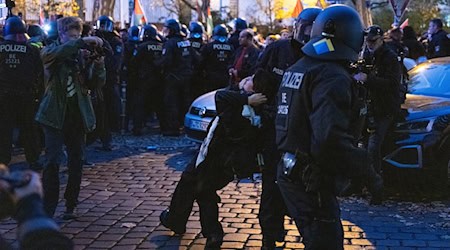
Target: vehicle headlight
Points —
{"points": [[416, 126]]}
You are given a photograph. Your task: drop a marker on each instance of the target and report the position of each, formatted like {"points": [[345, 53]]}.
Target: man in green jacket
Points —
{"points": [[72, 68]]}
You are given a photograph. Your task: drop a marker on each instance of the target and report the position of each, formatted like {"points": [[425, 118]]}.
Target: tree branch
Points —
{"points": [[189, 4]]}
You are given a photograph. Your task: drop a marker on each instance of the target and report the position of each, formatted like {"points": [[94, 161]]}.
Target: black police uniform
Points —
{"points": [[276, 58], [21, 82], [129, 51], [216, 57], [234, 39], [197, 83], [313, 125], [313, 120], [439, 46], [177, 62], [111, 92], [279, 56], [146, 80]]}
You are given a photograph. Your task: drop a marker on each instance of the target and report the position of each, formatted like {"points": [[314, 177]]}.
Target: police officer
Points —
{"points": [[113, 61], [280, 55], [383, 84], [276, 58], [438, 40], [239, 25], [21, 82], [216, 56], [37, 36], [146, 77], [313, 122], [196, 31], [177, 60], [130, 50]]}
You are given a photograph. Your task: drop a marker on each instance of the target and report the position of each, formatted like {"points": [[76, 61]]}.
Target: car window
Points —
{"points": [[430, 79]]}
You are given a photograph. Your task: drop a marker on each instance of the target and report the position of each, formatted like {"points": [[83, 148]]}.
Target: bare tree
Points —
{"points": [[263, 12]]}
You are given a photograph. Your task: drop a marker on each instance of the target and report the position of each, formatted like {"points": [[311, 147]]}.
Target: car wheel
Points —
{"points": [[428, 183], [437, 173]]}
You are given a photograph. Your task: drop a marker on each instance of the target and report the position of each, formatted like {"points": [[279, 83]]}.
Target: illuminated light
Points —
{"points": [[47, 27]]}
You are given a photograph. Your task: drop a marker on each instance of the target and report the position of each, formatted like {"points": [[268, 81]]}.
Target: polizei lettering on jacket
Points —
{"points": [[184, 44], [292, 80], [221, 47], [153, 47], [13, 48]]}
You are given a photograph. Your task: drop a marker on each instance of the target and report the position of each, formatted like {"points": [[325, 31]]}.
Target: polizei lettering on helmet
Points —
{"points": [[13, 48], [221, 47], [292, 80]]}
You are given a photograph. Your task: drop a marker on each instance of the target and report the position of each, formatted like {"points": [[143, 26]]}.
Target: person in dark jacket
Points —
{"points": [[239, 25], [111, 92], [245, 58], [415, 48], [228, 149], [177, 63], [196, 31], [276, 59], [313, 128], [145, 78], [21, 84], [383, 84], [394, 42], [215, 58], [36, 231], [129, 51], [65, 111], [438, 41]]}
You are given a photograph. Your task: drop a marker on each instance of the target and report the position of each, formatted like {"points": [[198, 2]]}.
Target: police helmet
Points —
{"points": [[337, 34], [15, 29], [196, 30], [304, 19], [149, 32], [239, 24], [133, 33], [35, 30], [174, 26], [105, 23], [184, 30], [220, 33]]}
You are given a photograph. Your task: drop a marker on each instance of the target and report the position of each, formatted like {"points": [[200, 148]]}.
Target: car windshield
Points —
{"points": [[430, 79]]}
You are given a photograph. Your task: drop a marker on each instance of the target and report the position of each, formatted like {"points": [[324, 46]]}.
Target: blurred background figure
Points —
{"points": [[415, 48]]}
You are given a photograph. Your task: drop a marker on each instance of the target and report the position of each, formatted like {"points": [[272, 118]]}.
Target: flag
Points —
{"points": [[405, 23], [321, 4], [209, 22], [41, 14], [138, 17], [323, 46], [297, 9]]}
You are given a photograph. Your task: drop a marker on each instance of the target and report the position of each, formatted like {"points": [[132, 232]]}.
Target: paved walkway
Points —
{"points": [[124, 193]]}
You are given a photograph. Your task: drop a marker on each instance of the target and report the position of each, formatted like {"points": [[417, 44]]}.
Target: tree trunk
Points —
{"points": [[107, 7]]}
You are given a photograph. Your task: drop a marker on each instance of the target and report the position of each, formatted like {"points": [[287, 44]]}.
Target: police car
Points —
{"points": [[418, 147], [417, 151], [200, 114]]}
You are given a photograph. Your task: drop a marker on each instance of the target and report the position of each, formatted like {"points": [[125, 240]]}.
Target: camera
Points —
{"points": [[362, 65], [15, 180]]}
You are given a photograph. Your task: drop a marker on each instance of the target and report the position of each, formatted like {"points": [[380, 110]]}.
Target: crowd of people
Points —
{"points": [[291, 102]]}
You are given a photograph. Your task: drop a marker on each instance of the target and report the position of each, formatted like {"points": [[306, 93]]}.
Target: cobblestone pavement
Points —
{"points": [[124, 193]]}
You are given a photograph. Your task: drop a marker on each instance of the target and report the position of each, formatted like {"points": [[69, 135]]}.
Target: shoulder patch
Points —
{"points": [[119, 49]]}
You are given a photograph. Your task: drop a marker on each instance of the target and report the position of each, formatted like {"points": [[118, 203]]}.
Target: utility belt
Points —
{"points": [[300, 167]]}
